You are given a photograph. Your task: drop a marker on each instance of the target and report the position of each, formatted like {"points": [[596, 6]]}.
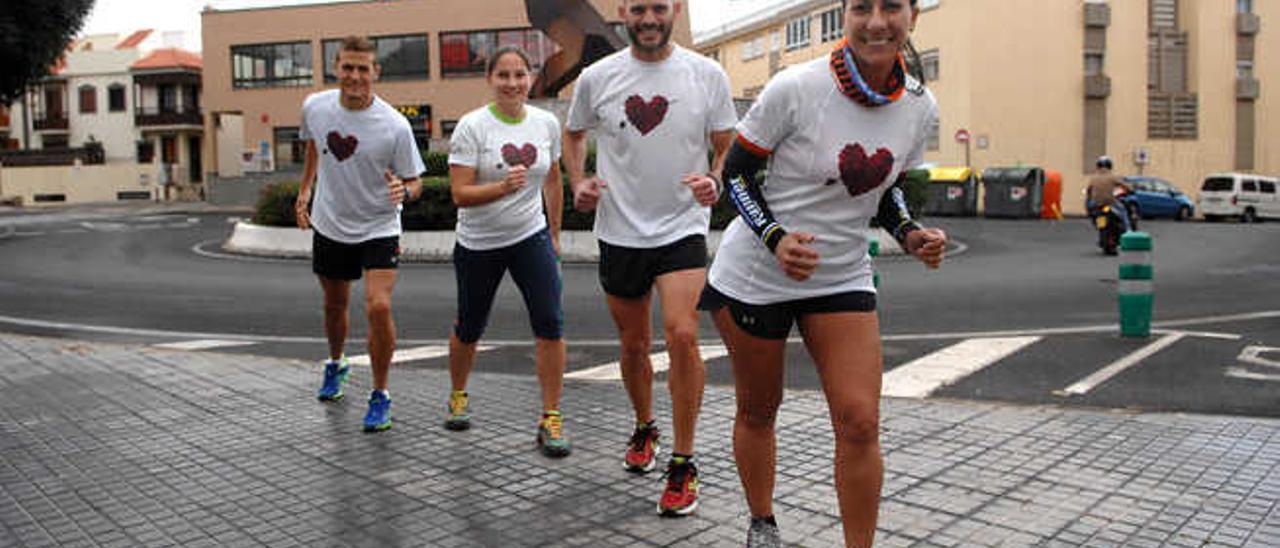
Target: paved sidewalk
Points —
{"points": [[115, 445]]}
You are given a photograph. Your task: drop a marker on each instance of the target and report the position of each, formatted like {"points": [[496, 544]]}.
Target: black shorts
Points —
{"points": [[628, 272], [774, 321], [336, 260]]}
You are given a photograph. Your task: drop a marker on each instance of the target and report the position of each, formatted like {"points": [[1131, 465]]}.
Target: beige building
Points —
{"points": [[261, 63], [1169, 88]]}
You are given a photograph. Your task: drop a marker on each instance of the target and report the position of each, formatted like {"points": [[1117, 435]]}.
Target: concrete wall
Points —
{"points": [[115, 130], [80, 184], [1014, 78], [267, 108]]}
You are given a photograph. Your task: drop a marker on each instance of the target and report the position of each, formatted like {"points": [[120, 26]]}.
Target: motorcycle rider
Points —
{"points": [[1102, 191]]}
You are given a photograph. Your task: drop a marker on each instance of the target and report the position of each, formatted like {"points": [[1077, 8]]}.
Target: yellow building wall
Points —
{"points": [[80, 184]]}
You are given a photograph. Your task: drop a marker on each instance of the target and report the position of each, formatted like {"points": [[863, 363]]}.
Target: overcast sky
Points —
{"points": [[128, 15]]}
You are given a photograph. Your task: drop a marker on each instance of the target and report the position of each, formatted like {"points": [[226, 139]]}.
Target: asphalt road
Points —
{"points": [[1025, 313]]}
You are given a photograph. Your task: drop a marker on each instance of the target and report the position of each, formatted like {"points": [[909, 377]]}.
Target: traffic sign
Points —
{"points": [[962, 135]]}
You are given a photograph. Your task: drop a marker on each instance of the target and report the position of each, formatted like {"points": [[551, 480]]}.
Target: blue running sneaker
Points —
{"points": [[379, 416], [335, 375]]}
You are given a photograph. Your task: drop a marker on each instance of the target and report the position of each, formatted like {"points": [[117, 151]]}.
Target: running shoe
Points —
{"points": [[458, 418], [335, 375], [550, 438], [642, 450], [764, 533], [680, 498], [379, 416]]}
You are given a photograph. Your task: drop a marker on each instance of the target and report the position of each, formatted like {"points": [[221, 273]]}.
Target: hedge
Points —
{"points": [[435, 210]]}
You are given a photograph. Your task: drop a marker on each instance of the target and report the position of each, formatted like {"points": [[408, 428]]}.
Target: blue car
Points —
{"points": [[1153, 197]]}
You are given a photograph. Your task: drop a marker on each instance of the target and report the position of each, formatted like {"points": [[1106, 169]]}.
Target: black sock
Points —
{"points": [[767, 519]]}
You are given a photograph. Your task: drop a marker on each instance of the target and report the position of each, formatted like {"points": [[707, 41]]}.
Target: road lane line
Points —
{"points": [[413, 354], [203, 344], [612, 371], [924, 375], [1105, 374]]}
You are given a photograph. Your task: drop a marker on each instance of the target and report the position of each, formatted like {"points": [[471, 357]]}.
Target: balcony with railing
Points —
{"points": [[153, 116], [51, 121]]}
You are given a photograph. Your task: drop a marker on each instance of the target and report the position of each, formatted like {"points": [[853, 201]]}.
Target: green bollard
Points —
{"points": [[874, 251], [1136, 292]]}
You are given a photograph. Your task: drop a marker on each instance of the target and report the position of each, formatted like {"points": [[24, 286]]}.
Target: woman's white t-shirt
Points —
{"points": [[652, 121], [831, 161], [492, 146]]}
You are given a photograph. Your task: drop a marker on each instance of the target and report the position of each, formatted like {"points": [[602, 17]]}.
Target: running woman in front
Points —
{"points": [[504, 167], [363, 162], [836, 135], [654, 106]]}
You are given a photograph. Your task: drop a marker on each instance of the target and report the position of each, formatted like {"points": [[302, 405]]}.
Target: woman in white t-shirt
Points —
{"points": [[836, 134], [503, 169]]}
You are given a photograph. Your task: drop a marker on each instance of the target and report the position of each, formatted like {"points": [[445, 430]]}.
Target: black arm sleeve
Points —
{"points": [[893, 214], [740, 169]]}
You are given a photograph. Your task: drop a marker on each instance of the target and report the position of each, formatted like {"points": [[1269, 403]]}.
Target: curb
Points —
{"points": [[437, 246]]}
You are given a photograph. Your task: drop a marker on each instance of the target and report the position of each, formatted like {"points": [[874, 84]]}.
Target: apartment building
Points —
{"points": [[261, 63], [1170, 88]]}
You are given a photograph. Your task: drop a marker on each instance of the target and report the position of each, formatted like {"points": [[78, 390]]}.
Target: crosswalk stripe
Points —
{"points": [[924, 375], [413, 354], [612, 371], [1083, 386], [203, 344]]}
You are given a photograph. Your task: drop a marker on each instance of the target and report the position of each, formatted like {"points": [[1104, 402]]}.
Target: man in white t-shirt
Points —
{"points": [[653, 108], [364, 162]]}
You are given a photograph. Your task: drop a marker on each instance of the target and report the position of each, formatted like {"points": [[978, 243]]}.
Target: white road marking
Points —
{"points": [[612, 342], [1253, 355], [612, 371], [1105, 374], [926, 374], [203, 344], [414, 354]]}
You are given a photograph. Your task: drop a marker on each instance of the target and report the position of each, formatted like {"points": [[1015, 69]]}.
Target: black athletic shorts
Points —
{"points": [[628, 272], [774, 321], [339, 261]]}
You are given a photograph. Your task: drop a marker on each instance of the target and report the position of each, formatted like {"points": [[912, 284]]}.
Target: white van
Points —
{"points": [[1249, 197]]}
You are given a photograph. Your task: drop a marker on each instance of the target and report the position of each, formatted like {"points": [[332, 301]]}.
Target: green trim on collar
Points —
{"points": [[502, 117]]}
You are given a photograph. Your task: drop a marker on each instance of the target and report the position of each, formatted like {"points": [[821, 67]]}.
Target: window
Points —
{"points": [[1244, 69], [288, 148], [1244, 6], [466, 53], [753, 48], [832, 26], [1093, 64], [167, 97], [1217, 184], [929, 65], [1268, 187], [798, 32], [146, 151], [401, 57], [929, 4], [88, 99], [271, 65], [447, 127], [1249, 185], [115, 98], [933, 139], [777, 41]]}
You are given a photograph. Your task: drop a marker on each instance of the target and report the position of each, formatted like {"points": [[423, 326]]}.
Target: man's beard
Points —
{"points": [[635, 37]]}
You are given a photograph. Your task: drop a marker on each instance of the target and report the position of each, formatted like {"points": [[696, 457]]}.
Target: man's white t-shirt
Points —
{"points": [[651, 122], [491, 146], [831, 161], [352, 203]]}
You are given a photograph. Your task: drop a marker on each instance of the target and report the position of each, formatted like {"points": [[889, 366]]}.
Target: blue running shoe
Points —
{"points": [[335, 375], [379, 416]]}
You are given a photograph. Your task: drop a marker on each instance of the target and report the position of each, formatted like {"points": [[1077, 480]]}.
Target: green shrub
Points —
{"points": [[433, 210], [437, 164], [275, 205], [916, 189]]}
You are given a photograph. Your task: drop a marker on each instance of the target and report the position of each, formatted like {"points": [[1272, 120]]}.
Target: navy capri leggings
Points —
{"points": [[533, 267]]}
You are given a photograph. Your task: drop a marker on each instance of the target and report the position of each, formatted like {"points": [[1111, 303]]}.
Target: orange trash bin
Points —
{"points": [[1051, 203]]}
